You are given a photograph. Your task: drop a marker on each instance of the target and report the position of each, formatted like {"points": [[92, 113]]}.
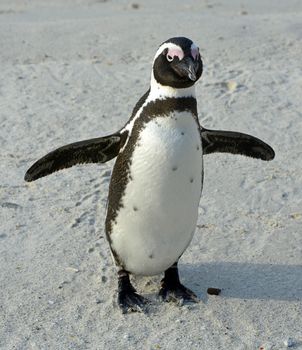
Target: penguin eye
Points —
{"points": [[169, 58], [173, 52]]}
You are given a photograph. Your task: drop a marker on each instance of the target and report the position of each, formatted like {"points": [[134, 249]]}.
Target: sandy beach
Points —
{"points": [[73, 70]]}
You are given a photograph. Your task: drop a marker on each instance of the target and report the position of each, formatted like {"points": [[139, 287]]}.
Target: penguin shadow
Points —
{"points": [[244, 280]]}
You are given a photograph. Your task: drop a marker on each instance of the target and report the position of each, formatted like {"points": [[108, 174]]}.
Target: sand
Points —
{"points": [[72, 70]]}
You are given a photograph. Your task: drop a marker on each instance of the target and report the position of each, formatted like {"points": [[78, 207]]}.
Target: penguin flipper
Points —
{"points": [[216, 141], [97, 150]]}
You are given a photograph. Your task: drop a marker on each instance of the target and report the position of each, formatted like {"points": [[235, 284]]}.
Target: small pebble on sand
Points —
{"points": [[289, 342], [231, 85], [213, 291]]}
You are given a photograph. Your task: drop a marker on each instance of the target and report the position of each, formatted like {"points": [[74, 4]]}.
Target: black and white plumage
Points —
{"points": [[157, 178]]}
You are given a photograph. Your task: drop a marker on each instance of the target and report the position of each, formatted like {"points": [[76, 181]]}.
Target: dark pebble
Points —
{"points": [[214, 291]]}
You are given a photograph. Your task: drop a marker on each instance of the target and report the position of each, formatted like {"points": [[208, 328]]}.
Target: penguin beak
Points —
{"points": [[186, 68]]}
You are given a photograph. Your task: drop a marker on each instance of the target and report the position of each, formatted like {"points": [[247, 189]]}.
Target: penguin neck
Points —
{"points": [[161, 92]]}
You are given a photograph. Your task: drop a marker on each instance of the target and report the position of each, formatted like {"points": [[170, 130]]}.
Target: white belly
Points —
{"points": [[160, 203]]}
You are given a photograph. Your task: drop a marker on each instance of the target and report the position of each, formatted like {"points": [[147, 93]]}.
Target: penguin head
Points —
{"points": [[177, 63]]}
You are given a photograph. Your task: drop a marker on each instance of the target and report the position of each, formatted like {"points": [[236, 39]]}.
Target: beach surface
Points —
{"points": [[73, 70]]}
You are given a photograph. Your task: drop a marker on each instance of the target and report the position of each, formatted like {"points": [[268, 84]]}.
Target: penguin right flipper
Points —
{"points": [[216, 141], [97, 150]]}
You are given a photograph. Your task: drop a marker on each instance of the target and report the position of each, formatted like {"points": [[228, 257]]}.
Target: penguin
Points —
{"points": [[157, 178]]}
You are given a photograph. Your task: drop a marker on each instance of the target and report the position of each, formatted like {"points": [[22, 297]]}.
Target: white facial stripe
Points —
{"points": [[169, 46], [175, 50]]}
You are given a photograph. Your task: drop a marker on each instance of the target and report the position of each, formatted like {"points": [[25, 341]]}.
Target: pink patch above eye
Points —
{"points": [[194, 52], [175, 52]]}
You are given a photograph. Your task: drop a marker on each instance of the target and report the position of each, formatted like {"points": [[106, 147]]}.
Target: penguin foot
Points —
{"points": [[177, 293], [172, 290], [128, 299]]}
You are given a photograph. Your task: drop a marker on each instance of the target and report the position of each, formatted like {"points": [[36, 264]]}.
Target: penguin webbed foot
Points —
{"points": [[173, 291], [128, 298], [177, 293], [130, 301]]}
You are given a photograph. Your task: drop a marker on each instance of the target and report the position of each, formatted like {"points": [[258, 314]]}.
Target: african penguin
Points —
{"points": [[157, 178]]}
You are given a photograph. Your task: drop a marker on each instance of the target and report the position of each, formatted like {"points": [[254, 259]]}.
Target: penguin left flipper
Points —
{"points": [[97, 150], [219, 141]]}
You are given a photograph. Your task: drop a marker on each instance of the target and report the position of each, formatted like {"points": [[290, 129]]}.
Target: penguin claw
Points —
{"points": [[178, 294], [130, 301]]}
